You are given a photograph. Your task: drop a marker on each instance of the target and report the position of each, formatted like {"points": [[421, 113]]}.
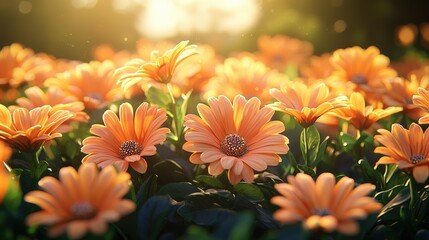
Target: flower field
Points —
{"points": [[176, 141]]}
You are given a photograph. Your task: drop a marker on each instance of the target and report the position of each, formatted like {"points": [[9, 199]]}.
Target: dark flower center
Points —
{"points": [[417, 158], [322, 212], [359, 79], [233, 145], [82, 210], [129, 148]]}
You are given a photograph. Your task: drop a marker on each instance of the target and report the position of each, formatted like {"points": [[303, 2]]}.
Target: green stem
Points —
{"points": [[412, 186], [304, 134], [173, 111]]}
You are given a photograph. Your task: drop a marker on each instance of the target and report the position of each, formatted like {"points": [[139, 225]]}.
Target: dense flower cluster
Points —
{"points": [[177, 141]]}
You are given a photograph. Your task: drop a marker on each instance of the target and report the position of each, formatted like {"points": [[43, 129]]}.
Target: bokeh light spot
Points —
{"points": [[340, 26], [25, 7]]}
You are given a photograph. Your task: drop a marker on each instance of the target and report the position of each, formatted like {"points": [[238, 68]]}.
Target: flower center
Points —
{"points": [[129, 148], [417, 158], [359, 79], [95, 95], [82, 210], [322, 212], [233, 145]]}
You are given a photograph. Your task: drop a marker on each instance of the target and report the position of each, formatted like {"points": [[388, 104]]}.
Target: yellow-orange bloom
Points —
{"points": [[126, 140], [400, 93], [409, 149], [421, 99], [305, 103], [238, 137], [360, 116], [323, 204], [54, 97], [160, 69], [362, 69], [91, 83], [244, 76], [5, 181], [279, 51], [318, 67], [80, 202], [29, 129]]}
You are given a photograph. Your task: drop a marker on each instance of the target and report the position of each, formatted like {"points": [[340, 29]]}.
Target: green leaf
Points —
{"points": [[346, 141], [13, 197], [249, 190], [41, 168], [243, 227], [307, 170], [197, 233], [147, 189], [157, 96], [320, 153], [178, 190], [371, 174], [153, 216], [209, 181], [390, 211], [309, 144], [180, 110]]}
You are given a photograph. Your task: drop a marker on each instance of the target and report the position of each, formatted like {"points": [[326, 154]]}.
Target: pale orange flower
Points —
{"points": [[362, 70], [194, 73], [159, 70], [244, 76], [145, 47], [305, 103], [5, 181], [238, 137], [27, 130], [18, 65], [421, 99], [80, 202], [126, 140], [323, 204], [279, 51], [318, 67], [105, 52], [54, 97], [409, 149], [5, 154], [400, 92], [361, 116], [91, 83]]}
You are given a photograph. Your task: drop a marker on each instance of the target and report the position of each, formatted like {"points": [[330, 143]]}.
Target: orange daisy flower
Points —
{"points": [[244, 76], [54, 97], [105, 52], [360, 116], [305, 103], [409, 149], [194, 73], [237, 137], [400, 92], [280, 51], [421, 99], [160, 69], [80, 202], [5, 181], [29, 129], [318, 67], [126, 140], [18, 65], [323, 204], [91, 83], [362, 69]]}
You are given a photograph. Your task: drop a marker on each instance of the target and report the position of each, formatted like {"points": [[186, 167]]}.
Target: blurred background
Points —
{"points": [[72, 28]]}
